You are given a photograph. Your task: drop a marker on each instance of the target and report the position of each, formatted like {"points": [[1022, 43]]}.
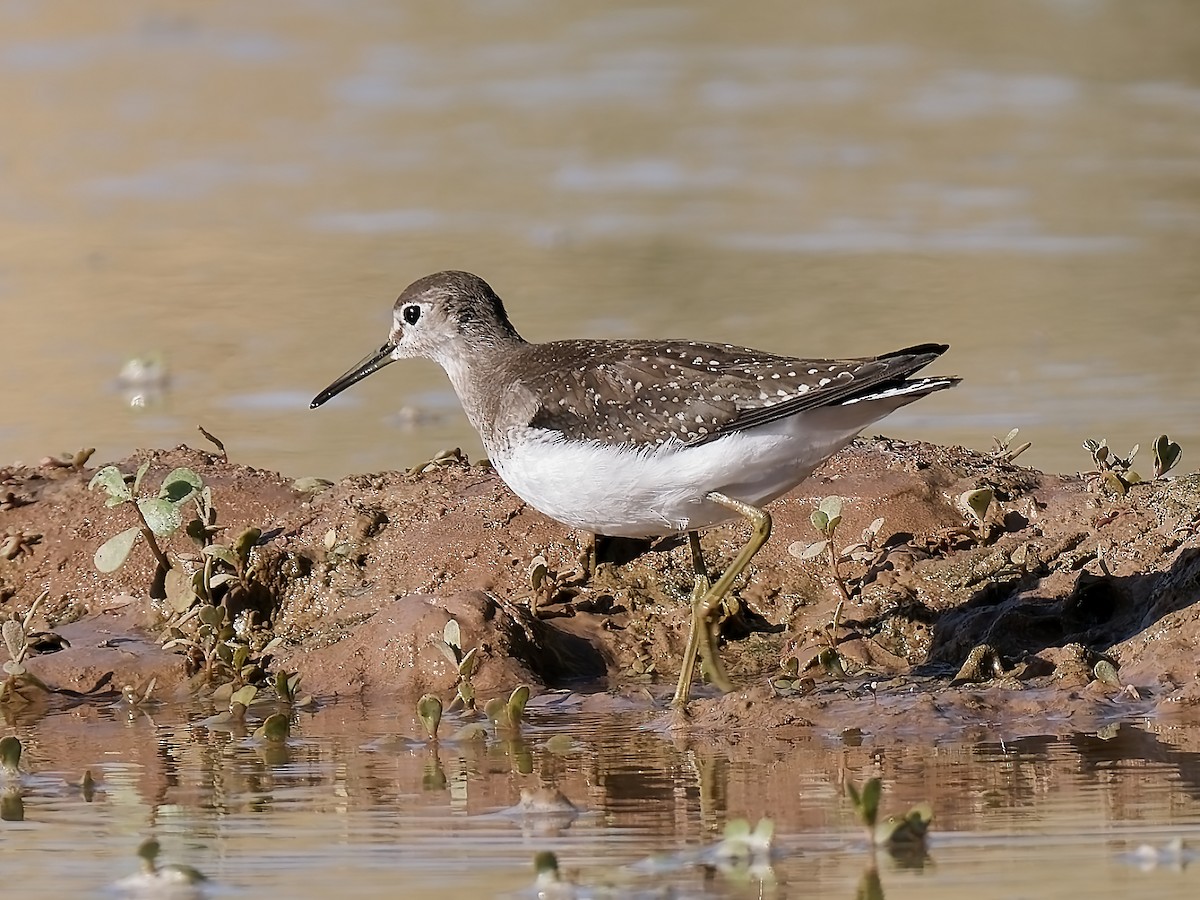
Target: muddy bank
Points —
{"points": [[1069, 600]]}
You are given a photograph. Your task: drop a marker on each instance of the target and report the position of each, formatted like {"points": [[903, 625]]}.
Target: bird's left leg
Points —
{"points": [[701, 639]]}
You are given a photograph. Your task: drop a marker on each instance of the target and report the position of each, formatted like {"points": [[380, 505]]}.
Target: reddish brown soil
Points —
{"points": [[360, 579]]}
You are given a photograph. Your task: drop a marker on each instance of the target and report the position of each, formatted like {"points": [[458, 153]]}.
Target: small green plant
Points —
{"points": [[741, 843], [12, 804], [465, 662], [274, 730], [546, 584], [158, 516], [1003, 450], [825, 519], [894, 832], [137, 698], [10, 756], [429, 711], [1166, 455], [976, 504], [1114, 474], [16, 641], [508, 713], [287, 690], [789, 683]]}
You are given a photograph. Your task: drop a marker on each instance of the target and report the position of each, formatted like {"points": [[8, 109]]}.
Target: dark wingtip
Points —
{"points": [[931, 350]]}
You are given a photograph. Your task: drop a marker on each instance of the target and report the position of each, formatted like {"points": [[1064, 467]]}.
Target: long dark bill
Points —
{"points": [[372, 362]]}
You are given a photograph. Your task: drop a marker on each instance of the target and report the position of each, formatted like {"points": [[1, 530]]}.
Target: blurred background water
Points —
{"points": [[236, 192]]}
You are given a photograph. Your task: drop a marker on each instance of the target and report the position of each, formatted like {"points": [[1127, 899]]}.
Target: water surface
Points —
{"points": [[241, 190], [336, 813]]}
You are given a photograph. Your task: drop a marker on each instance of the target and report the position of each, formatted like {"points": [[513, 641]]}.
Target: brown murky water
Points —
{"points": [[342, 811], [241, 190]]}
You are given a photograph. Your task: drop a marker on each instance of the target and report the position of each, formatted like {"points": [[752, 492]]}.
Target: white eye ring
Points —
{"points": [[411, 313]]}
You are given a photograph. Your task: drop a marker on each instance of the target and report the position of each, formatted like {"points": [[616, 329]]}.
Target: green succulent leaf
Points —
{"points": [[112, 482], [516, 704], [1166, 455], [223, 553], [812, 551], [244, 695], [1115, 484], [977, 503], [275, 729], [141, 473], [245, 543], [538, 570], [162, 516], [221, 578], [14, 637], [832, 507], [497, 711], [467, 667], [212, 616], [180, 485], [180, 591], [429, 711], [115, 550], [10, 753], [820, 521]]}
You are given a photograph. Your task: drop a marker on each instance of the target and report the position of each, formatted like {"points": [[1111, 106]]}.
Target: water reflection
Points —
{"points": [[617, 803]]}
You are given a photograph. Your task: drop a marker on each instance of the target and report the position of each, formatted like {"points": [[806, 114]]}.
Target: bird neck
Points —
{"points": [[474, 365]]}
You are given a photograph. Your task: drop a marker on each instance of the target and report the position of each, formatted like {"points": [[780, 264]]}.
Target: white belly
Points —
{"points": [[628, 492]]}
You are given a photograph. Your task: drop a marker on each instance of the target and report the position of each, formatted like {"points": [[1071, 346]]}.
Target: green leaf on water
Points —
{"points": [[275, 729], [429, 711], [244, 695], [114, 551], [866, 801], [10, 754], [516, 704], [162, 516]]}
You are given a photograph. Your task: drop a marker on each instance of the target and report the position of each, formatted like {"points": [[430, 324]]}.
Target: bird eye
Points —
{"points": [[411, 314]]}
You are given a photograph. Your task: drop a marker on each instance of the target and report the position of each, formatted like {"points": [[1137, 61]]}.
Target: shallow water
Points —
{"points": [[337, 813], [241, 190]]}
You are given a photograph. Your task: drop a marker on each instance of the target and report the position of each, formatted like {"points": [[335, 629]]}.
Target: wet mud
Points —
{"points": [[1070, 603]]}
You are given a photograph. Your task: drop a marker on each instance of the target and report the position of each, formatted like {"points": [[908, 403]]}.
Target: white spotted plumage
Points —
{"points": [[629, 438]]}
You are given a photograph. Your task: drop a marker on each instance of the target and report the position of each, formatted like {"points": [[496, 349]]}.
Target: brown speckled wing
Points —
{"points": [[645, 393]]}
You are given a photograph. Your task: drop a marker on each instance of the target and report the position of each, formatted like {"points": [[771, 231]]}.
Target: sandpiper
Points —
{"points": [[644, 438]]}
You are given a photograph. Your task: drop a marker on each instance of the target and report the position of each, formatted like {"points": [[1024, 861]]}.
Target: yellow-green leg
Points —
{"points": [[706, 599]]}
